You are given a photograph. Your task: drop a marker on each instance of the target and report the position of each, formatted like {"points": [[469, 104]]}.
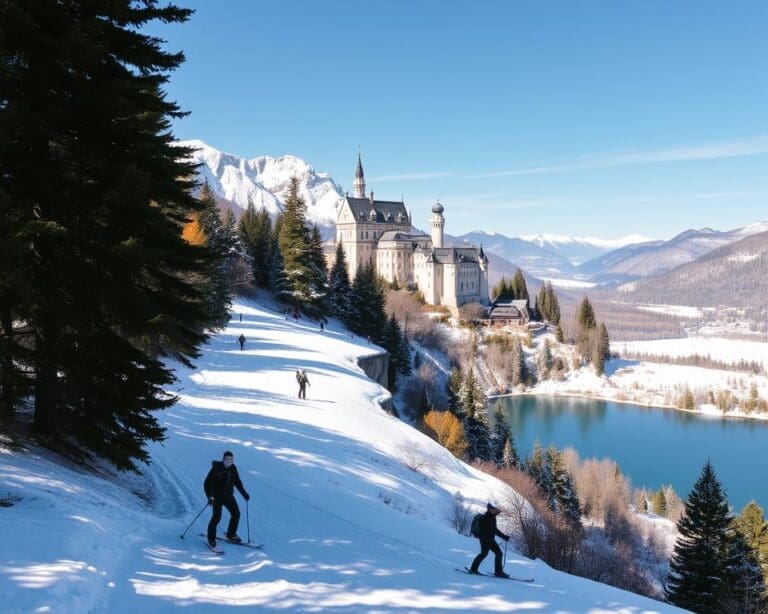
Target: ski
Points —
{"points": [[214, 549], [224, 539], [490, 575]]}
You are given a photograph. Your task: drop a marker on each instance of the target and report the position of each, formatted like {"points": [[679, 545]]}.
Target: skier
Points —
{"points": [[303, 380], [322, 326], [241, 339], [488, 533], [219, 487]]}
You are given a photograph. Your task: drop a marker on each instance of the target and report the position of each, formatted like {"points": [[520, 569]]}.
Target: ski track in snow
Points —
{"points": [[346, 526]]}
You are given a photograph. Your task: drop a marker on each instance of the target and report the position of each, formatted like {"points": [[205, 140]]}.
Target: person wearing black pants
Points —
{"points": [[219, 487], [488, 533]]}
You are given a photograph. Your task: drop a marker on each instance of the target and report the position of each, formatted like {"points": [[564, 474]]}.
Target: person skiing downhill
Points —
{"points": [[488, 533], [219, 485], [241, 339]]}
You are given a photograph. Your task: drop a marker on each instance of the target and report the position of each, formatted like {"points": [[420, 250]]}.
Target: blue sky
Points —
{"points": [[586, 118]]}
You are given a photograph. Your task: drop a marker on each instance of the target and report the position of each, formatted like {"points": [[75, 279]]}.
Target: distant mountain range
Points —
{"points": [[570, 262]]}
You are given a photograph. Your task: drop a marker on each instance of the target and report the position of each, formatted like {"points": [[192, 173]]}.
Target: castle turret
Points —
{"points": [[437, 223], [359, 183]]}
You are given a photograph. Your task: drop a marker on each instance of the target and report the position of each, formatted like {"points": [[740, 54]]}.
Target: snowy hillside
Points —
{"points": [[264, 181], [346, 525]]}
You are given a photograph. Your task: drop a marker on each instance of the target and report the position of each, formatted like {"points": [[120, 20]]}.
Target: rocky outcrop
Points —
{"points": [[375, 367]]}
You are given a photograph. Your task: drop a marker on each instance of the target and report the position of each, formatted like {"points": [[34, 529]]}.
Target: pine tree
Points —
{"points": [[559, 336], [339, 288], [295, 242], [509, 457], [318, 274], [399, 351], [218, 291], [585, 318], [100, 198], [601, 350], [563, 494], [545, 360], [278, 282], [659, 502], [701, 557], [367, 317], [453, 392], [254, 231], [501, 435], [585, 327], [476, 427], [519, 287], [537, 467], [752, 526], [519, 375], [743, 584]]}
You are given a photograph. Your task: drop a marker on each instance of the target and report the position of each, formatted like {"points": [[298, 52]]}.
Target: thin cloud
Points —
{"points": [[411, 176], [686, 198], [714, 151]]}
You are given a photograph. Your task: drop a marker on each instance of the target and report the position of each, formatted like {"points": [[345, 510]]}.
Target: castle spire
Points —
{"points": [[359, 183]]}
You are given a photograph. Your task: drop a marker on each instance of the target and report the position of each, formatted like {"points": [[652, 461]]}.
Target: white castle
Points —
{"points": [[381, 230]]}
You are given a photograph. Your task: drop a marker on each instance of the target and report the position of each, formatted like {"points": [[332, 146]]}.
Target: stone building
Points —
{"points": [[381, 230]]}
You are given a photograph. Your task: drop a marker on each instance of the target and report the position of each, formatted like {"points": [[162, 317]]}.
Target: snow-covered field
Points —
{"points": [[346, 525], [681, 311], [727, 350]]}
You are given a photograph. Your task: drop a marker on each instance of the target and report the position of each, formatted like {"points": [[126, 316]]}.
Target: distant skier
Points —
{"points": [[219, 487], [488, 533], [241, 317], [303, 380], [241, 339], [322, 326]]}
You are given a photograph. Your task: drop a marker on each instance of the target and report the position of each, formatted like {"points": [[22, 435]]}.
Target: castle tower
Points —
{"points": [[437, 223], [359, 184]]}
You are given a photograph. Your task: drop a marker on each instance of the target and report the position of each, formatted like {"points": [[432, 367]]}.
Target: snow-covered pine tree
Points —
{"points": [[538, 468], [519, 371], [563, 495], [501, 434], [585, 327], [339, 287], [752, 526], [545, 360], [743, 586], [509, 457], [700, 560]]}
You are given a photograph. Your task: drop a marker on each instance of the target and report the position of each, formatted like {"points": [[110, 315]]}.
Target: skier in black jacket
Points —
{"points": [[219, 487], [488, 533]]}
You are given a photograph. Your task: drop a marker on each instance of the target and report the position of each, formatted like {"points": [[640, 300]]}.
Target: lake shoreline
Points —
{"points": [[596, 397]]}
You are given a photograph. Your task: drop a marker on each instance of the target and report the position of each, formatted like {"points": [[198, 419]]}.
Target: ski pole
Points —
{"points": [[248, 520], [196, 517], [504, 562]]}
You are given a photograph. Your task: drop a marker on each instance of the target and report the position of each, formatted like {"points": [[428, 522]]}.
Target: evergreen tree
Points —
{"points": [[519, 375], [218, 291], [476, 427], [548, 305], [545, 360], [659, 502], [601, 350], [585, 318], [585, 327], [752, 526], [501, 435], [559, 336], [98, 200], [743, 585], [509, 457], [563, 494], [303, 262], [453, 392], [254, 231], [702, 556], [518, 287], [278, 282], [537, 467], [367, 317], [339, 289], [502, 291], [397, 345]]}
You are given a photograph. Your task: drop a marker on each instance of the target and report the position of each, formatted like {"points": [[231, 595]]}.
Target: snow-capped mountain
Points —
{"points": [[264, 181], [657, 257], [735, 274], [581, 249]]}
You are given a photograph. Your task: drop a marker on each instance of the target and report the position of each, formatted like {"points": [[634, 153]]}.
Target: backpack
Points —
{"points": [[474, 529]]}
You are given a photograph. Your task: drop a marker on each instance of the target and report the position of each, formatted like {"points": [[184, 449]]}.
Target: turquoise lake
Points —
{"points": [[652, 446]]}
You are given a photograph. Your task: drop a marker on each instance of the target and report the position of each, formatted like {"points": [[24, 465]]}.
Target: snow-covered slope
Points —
{"points": [[264, 181], [346, 525]]}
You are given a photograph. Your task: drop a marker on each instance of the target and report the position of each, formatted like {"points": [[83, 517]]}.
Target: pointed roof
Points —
{"points": [[359, 169]]}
